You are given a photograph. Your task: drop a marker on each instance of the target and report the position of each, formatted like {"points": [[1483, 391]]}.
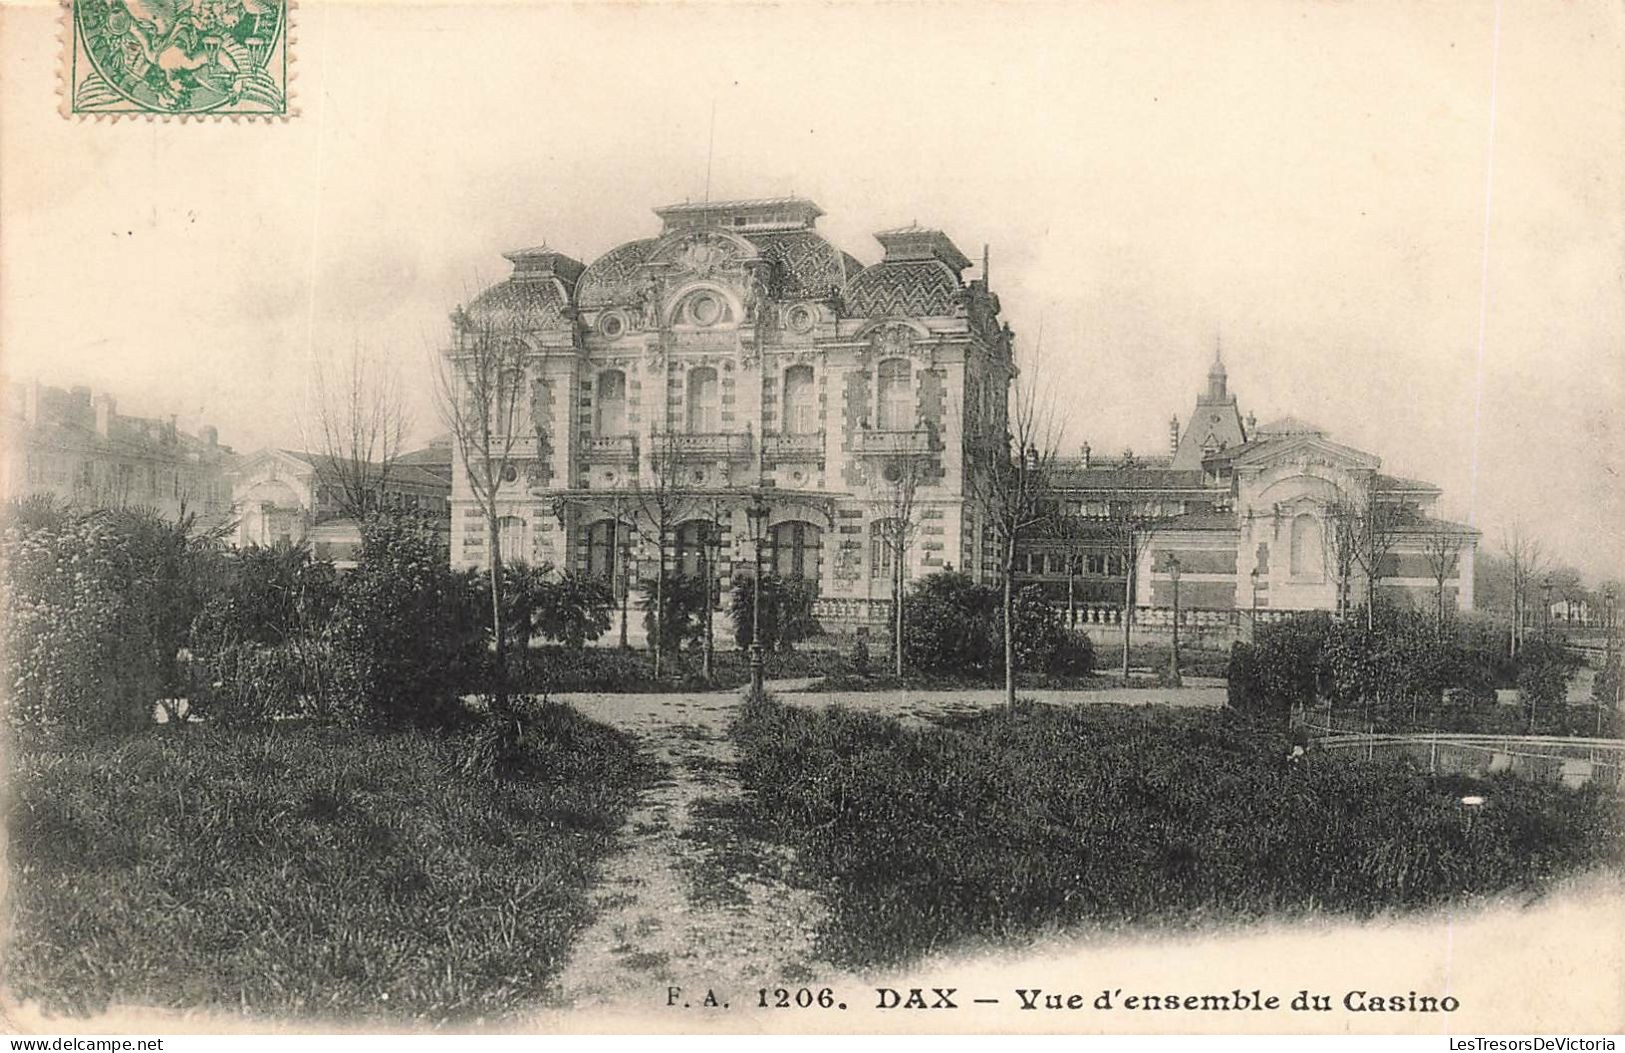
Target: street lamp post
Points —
{"points": [[757, 513], [1546, 598], [1173, 661], [1253, 625]]}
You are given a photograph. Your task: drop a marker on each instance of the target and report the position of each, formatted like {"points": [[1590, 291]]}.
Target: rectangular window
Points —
{"points": [[800, 407], [704, 402], [896, 403]]}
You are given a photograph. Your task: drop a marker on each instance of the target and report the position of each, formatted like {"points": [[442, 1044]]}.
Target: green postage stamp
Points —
{"points": [[177, 58]]}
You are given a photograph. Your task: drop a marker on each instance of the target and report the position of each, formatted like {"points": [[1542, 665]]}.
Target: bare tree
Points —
{"points": [[1128, 532], [1010, 479], [898, 486], [711, 547], [1527, 560], [1441, 546], [1377, 526], [359, 428], [660, 502], [480, 392], [1342, 549]]}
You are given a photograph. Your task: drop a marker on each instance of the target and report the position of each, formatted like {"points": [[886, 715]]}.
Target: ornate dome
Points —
{"points": [[805, 266], [611, 278], [520, 304], [911, 288], [533, 296]]}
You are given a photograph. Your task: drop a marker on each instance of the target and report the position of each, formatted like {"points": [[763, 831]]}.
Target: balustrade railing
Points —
{"points": [[892, 443], [793, 447]]}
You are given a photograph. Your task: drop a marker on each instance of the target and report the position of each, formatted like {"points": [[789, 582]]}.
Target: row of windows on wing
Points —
{"points": [[895, 402], [793, 549]]}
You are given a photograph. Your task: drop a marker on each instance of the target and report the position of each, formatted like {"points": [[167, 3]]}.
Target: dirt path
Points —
{"points": [[694, 899], [689, 901]]}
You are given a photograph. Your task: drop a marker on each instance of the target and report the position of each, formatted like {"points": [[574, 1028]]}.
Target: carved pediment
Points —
{"points": [[1306, 452], [899, 339]]}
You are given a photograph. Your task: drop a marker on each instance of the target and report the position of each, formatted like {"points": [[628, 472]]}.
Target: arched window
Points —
{"points": [[800, 407], [796, 549], [611, 402], [704, 401], [693, 548], [1307, 557], [896, 395], [511, 533]]}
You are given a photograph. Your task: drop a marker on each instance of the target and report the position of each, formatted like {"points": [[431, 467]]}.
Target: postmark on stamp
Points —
{"points": [[176, 58]]}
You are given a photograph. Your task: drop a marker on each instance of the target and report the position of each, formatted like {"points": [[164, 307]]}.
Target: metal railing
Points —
{"points": [[872, 443], [793, 447], [618, 448], [706, 445]]}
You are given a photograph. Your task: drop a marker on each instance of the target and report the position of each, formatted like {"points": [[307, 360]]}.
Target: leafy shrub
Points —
{"points": [[1544, 669], [949, 625], [682, 620], [567, 608], [954, 625], [409, 633], [63, 611], [262, 646], [1605, 688], [787, 611], [97, 607], [577, 610]]}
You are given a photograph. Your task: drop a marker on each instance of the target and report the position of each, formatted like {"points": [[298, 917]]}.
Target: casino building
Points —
{"points": [[1250, 513], [741, 372]]}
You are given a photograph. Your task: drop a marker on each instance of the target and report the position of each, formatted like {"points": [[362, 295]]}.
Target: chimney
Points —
{"points": [[106, 410], [211, 435], [1173, 434], [1085, 452]]}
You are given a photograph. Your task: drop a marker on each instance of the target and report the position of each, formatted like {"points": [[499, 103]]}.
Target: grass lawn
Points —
{"points": [[308, 871], [1003, 826]]}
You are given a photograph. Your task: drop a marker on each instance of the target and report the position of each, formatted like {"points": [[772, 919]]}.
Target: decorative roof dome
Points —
{"points": [[533, 296], [611, 277], [804, 264], [915, 288]]}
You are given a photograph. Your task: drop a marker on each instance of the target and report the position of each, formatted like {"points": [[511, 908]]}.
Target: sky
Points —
{"points": [[1404, 222]]}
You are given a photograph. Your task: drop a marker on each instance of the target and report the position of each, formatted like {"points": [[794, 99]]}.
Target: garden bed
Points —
{"points": [[315, 872], [1004, 826]]}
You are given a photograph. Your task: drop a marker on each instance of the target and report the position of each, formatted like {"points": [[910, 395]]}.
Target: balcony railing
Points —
{"points": [[872, 443], [710, 446], [804, 447], [524, 446], [619, 449]]}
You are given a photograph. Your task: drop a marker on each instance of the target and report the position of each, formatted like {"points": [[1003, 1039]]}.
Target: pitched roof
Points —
{"points": [[1288, 425], [1217, 521], [398, 473], [1394, 483]]}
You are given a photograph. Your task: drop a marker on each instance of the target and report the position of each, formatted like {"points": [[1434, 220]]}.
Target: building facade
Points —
{"points": [[78, 447], [292, 497], [1256, 518], [735, 360]]}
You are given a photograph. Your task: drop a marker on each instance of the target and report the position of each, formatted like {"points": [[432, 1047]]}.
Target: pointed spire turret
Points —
{"points": [[1217, 378]]}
